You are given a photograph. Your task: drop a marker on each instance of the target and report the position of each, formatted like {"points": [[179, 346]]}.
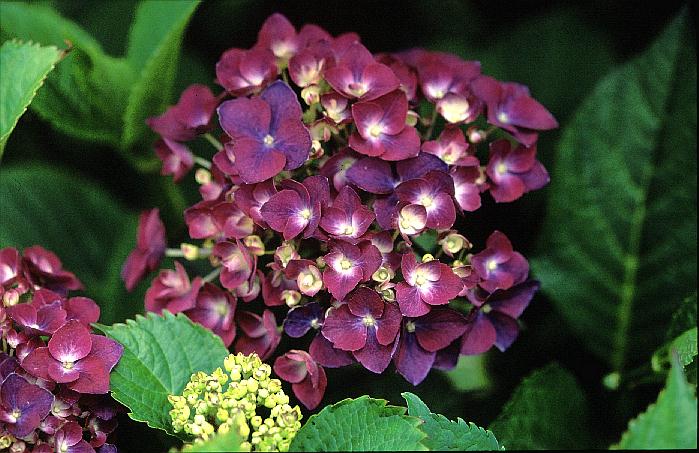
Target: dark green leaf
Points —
{"points": [[160, 355], [685, 317], [427, 241], [229, 441], [546, 411], [685, 346], [446, 435], [620, 235], [362, 424]]}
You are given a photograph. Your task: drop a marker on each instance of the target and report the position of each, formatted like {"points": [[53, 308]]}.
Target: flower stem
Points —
{"points": [[211, 275], [433, 121], [174, 253], [211, 139], [202, 162]]}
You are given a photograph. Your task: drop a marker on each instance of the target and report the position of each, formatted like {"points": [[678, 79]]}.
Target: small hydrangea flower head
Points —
{"points": [[347, 219], [150, 249], [215, 310], [259, 333], [44, 320], [458, 108], [426, 285], [243, 72], [499, 266], [190, 117], [307, 378], [296, 209], [172, 291], [69, 439], [336, 167], [267, 131], [366, 325], [238, 265], [412, 219], [510, 107], [301, 319], [434, 191], [307, 275], [251, 197], [278, 35], [23, 405], [347, 265], [177, 158], [336, 108], [358, 76], [468, 187], [452, 148], [514, 171], [494, 318], [10, 266], [44, 269]]}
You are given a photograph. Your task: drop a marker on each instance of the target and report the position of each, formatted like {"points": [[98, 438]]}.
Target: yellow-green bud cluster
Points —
{"points": [[224, 400]]}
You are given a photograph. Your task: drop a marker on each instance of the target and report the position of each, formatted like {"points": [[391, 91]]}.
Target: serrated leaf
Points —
{"points": [[229, 441], [23, 68], [669, 423], [684, 318], [685, 346], [69, 216], [620, 234], [154, 48], [446, 435], [361, 424], [547, 411], [85, 96], [160, 355]]}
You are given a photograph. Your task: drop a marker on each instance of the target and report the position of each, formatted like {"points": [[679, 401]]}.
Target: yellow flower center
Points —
{"points": [[345, 264], [426, 201], [486, 309], [348, 230], [222, 308], [306, 214], [501, 168], [492, 265], [368, 320], [68, 365], [410, 326], [503, 118], [268, 140], [375, 130]]}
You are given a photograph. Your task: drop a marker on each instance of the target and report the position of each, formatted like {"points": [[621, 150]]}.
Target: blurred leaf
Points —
{"points": [[685, 346], [23, 68], [669, 423], [362, 424], [226, 442], [160, 355], [154, 49], [685, 317], [470, 374], [546, 411], [85, 96], [620, 235], [89, 231], [427, 241], [446, 435]]}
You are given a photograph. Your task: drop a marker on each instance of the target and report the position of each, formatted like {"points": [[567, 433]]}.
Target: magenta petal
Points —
{"points": [[506, 329], [280, 207], [374, 356], [536, 178], [437, 329], [402, 146], [325, 354], [309, 394], [33, 402], [389, 324], [60, 374], [243, 117], [255, 162], [365, 302], [283, 102], [83, 309], [344, 330], [372, 175], [94, 376], [412, 361], [108, 350], [37, 361], [71, 342], [292, 371], [480, 335], [341, 283], [448, 287], [441, 215], [513, 301], [409, 301], [527, 112], [380, 80], [508, 188], [293, 139]]}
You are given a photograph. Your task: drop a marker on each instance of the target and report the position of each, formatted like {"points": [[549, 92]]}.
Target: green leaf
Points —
{"points": [[69, 216], [427, 241], [669, 423], [85, 96], [154, 49], [229, 441], [546, 411], [620, 234], [684, 318], [23, 68], [160, 355], [685, 346], [362, 424], [446, 435], [469, 374]]}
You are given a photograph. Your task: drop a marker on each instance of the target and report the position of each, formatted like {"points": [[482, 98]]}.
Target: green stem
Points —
{"points": [[433, 121], [216, 144], [208, 278], [202, 162], [174, 253]]}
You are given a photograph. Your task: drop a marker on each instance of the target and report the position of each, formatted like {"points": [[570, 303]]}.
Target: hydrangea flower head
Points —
{"points": [[23, 405]]}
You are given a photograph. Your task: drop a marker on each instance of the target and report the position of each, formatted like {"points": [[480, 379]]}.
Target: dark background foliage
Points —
{"points": [[558, 48]]}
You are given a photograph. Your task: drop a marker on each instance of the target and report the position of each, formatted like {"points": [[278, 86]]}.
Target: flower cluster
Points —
{"points": [[54, 373], [329, 162], [236, 400]]}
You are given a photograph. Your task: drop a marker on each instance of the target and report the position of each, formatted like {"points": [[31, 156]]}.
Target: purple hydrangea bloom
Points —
{"points": [[347, 219], [467, 189], [381, 129], [242, 72], [297, 208], [452, 148], [499, 266], [347, 265], [267, 131], [422, 338], [307, 378], [358, 76], [43, 320], [251, 197], [150, 249], [434, 191], [177, 158], [23, 405], [493, 321], [69, 439], [259, 333], [426, 284], [76, 358], [190, 117], [367, 325], [238, 265], [512, 108], [44, 269], [215, 310], [513, 172], [172, 291]]}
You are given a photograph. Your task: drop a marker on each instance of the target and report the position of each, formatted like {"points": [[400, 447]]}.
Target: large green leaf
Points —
{"points": [[227, 442], [160, 355], [619, 240], [154, 49], [362, 424], [89, 231], [446, 435], [669, 423], [23, 68], [85, 96], [546, 411]]}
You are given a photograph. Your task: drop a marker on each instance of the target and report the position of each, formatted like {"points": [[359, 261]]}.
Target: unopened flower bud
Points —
{"points": [[311, 94], [476, 135], [254, 244], [317, 150], [202, 176], [454, 243], [10, 298], [190, 251], [412, 118], [382, 274], [427, 257]]}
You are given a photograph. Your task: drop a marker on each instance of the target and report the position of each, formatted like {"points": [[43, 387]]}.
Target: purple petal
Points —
{"points": [[409, 301], [480, 335], [60, 374], [412, 361], [402, 146], [83, 309], [340, 283], [326, 355], [388, 326], [255, 162], [536, 178], [283, 103], [506, 329], [300, 320], [372, 175], [71, 342], [513, 301], [245, 118], [438, 328], [33, 402], [280, 208], [419, 166], [107, 350], [290, 370], [344, 330], [365, 302], [94, 376], [293, 139], [37, 361], [374, 356]]}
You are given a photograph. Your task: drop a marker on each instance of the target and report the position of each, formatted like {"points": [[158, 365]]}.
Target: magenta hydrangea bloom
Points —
{"points": [[267, 131], [44, 269], [43, 320], [215, 219], [452, 148], [69, 439], [76, 358], [493, 320], [511, 107], [172, 291], [467, 187], [336, 108], [513, 172], [308, 278], [358, 76], [347, 265], [347, 219], [278, 35], [251, 197], [434, 191], [381, 129], [422, 338], [426, 284], [215, 310], [23, 405], [10, 266], [297, 208], [190, 117], [259, 333], [307, 378], [177, 158], [150, 249], [336, 167], [367, 326], [242, 72], [499, 266], [238, 265]]}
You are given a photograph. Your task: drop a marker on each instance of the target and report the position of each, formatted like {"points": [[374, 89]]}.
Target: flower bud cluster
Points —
{"points": [[244, 398]]}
